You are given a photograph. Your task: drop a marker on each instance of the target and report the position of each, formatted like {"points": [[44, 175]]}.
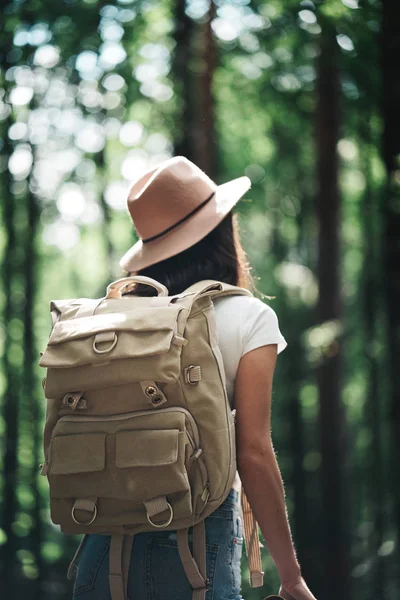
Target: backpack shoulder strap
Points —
{"points": [[215, 289]]}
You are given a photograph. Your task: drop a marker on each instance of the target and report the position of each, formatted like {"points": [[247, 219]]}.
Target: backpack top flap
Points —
{"points": [[78, 341], [91, 331]]}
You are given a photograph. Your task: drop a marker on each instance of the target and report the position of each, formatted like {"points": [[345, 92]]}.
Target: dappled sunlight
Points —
{"points": [[92, 96], [61, 234], [115, 194], [299, 280], [20, 162], [131, 133], [47, 56]]}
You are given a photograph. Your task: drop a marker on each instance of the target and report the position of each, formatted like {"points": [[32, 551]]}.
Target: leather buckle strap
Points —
{"points": [[88, 505], [119, 561], [156, 506], [252, 543], [194, 566], [199, 555], [115, 577]]}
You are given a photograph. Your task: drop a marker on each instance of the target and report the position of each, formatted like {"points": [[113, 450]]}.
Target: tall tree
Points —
{"points": [[332, 428], [12, 377], [99, 160], [371, 307], [182, 70], [390, 39], [205, 148], [29, 382]]}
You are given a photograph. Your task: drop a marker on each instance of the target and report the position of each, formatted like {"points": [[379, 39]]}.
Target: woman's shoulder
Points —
{"points": [[244, 306], [252, 319]]}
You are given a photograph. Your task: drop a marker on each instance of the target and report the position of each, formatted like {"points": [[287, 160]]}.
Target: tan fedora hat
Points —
{"points": [[174, 206]]}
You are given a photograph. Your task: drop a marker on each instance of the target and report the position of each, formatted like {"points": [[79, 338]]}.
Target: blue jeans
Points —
{"points": [[156, 571]]}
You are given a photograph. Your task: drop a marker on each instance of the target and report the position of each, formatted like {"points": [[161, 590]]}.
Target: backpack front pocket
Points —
{"points": [[79, 453], [146, 448], [126, 469]]}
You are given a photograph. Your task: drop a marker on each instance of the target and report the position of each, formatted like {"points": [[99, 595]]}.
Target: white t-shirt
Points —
{"points": [[244, 324]]}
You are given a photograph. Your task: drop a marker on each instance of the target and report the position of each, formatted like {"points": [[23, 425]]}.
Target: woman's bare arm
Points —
{"points": [[257, 465]]}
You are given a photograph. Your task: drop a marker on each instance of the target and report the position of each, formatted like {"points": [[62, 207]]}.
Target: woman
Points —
{"points": [[187, 234]]}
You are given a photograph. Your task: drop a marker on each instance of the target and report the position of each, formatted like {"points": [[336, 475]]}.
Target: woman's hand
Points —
{"points": [[298, 590]]}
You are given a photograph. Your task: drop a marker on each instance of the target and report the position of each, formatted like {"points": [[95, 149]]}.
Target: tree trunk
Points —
{"points": [[205, 146], [184, 142], [332, 427], [391, 224], [390, 43], [372, 305], [106, 213], [32, 401], [12, 374]]}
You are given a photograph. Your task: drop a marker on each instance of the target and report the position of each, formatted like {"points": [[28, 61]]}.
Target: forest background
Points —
{"points": [[303, 98]]}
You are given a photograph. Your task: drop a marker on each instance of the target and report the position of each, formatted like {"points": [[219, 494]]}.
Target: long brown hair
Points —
{"points": [[219, 255]]}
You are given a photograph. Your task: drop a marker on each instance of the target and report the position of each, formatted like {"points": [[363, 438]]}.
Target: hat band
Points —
{"points": [[193, 212]]}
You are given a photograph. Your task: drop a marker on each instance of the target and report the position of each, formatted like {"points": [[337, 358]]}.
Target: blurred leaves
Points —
{"points": [[89, 101]]}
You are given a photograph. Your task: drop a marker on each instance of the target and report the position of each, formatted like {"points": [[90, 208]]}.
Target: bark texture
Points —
{"points": [[332, 426]]}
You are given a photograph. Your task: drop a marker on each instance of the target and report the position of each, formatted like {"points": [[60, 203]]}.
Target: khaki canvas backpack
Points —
{"points": [[139, 433]]}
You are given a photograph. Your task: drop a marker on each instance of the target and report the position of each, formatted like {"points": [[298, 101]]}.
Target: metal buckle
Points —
{"points": [[84, 522], [110, 347], [188, 372], [161, 525]]}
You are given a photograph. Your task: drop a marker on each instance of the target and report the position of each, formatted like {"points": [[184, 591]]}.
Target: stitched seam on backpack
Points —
{"points": [[221, 371]]}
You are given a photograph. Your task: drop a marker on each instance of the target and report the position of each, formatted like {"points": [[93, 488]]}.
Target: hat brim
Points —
{"points": [[189, 232]]}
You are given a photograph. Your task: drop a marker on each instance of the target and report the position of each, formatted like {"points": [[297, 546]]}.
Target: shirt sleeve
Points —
{"points": [[261, 328]]}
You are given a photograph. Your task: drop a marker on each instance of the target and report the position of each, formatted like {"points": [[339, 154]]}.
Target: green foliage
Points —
{"points": [[88, 101]]}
